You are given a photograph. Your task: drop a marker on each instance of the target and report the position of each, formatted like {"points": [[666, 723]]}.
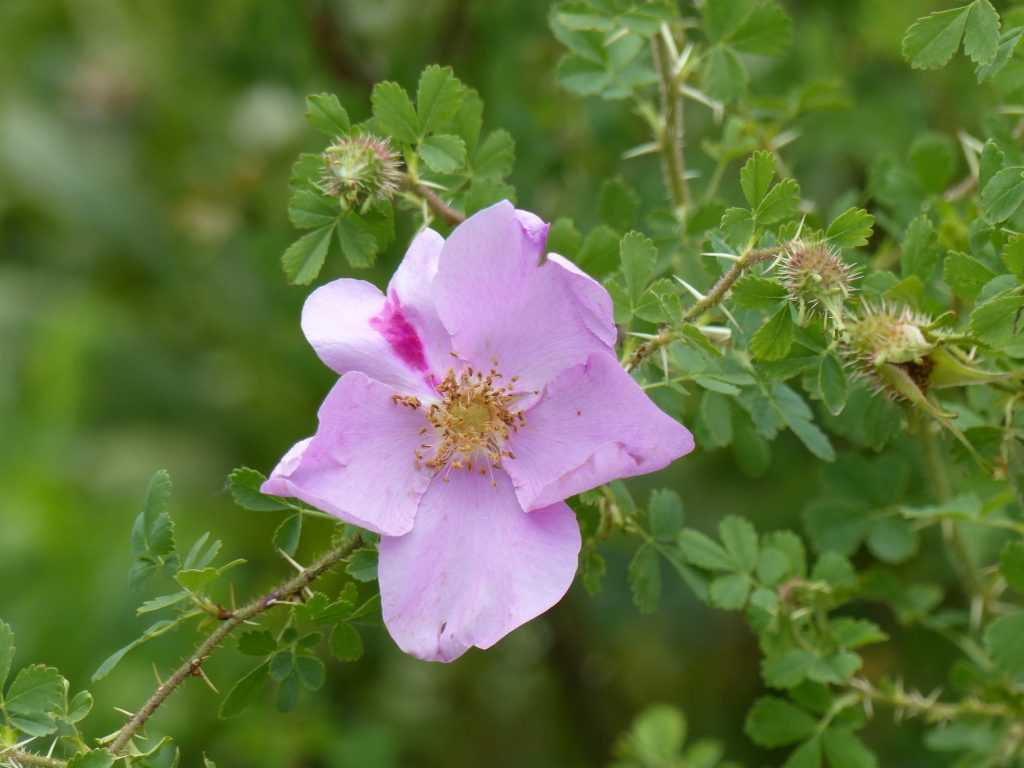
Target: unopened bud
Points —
{"points": [[360, 170], [816, 277]]}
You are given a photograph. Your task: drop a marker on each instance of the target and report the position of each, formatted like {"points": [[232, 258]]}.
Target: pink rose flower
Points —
{"points": [[475, 396]]}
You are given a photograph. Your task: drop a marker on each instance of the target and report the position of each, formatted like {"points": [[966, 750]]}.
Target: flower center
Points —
{"points": [[470, 424]]}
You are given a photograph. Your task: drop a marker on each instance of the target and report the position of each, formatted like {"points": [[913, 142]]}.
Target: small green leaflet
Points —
{"points": [[932, 40]]}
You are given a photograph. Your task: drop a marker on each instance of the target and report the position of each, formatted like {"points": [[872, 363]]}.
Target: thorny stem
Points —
{"points": [[710, 300], [671, 129], [193, 665], [21, 757], [914, 703], [434, 202]]}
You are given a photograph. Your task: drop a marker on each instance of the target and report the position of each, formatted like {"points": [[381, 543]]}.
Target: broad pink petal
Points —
{"points": [[593, 299], [475, 567], [502, 302], [359, 466], [396, 339], [591, 425]]}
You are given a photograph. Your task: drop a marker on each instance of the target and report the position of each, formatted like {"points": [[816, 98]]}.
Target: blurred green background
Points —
{"points": [[144, 323]]}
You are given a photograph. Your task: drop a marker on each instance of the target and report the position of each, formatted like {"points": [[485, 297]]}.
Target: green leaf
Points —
{"points": [[1011, 563], [787, 670], [599, 253], [832, 384], [244, 484], [304, 258], [153, 630], [844, 750], [1013, 255], [196, 580], [724, 77], [1003, 194], [311, 672], [981, 35], [153, 533], [796, 415], [582, 76], [756, 177], [33, 699], [288, 693], [892, 540], [737, 226], [656, 737], [999, 322], [393, 112], [756, 292], [772, 566], [325, 113], [919, 254], [932, 40], [617, 204], [564, 238], [288, 534], [309, 209], [438, 98], [638, 256], [79, 707], [96, 758], [346, 643], [362, 565], [6, 652], [257, 643], [242, 692], [1007, 45], [851, 229], [716, 419], [965, 275], [767, 30], [357, 241], [774, 339], [1003, 641], [443, 153], [730, 592], [665, 514], [469, 119], [854, 633], [645, 578], [774, 722], [781, 202], [496, 156], [807, 755], [740, 540], [933, 160], [700, 550]]}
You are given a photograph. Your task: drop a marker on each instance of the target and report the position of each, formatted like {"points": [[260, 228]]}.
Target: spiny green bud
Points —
{"points": [[816, 276], [360, 170], [879, 334]]}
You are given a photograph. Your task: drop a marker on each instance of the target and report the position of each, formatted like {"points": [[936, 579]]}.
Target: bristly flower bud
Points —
{"points": [[360, 170], [880, 334], [816, 276]]}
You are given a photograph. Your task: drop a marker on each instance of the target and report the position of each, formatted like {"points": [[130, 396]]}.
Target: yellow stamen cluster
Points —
{"points": [[468, 428]]}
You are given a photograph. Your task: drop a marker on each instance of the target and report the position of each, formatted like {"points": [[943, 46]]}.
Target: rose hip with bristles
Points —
{"points": [[360, 170], [815, 275]]}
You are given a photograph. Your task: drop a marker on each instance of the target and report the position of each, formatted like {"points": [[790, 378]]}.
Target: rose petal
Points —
{"points": [[397, 339], [501, 303], [359, 466], [591, 425], [475, 567]]}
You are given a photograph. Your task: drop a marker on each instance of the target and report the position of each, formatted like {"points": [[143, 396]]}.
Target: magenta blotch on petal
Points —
{"points": [[397, 339]]}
